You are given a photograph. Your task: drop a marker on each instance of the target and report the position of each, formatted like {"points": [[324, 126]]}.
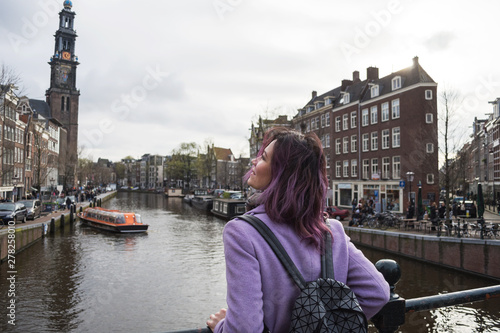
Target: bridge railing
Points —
{"points": [[392, 315]]}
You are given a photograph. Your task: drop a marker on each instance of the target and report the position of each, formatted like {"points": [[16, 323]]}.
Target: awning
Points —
{"points": [[34, 189]]}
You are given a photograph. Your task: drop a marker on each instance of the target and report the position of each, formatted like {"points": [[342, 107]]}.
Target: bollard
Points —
{"points": [[71, 217], [62, 221], [392, 314], [81, 209], [52, 225]]}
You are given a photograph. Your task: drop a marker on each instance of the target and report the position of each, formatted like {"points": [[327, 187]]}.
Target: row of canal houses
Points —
{"points": [[31, 142]]}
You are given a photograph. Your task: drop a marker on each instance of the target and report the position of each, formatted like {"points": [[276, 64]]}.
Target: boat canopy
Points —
{"points": [[106, 216]]}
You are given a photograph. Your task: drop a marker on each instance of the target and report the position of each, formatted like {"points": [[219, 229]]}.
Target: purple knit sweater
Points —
{"points": [[259, 289]]}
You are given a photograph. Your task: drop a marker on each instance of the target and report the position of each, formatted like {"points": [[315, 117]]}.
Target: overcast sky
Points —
{"points": [[154, 74]]}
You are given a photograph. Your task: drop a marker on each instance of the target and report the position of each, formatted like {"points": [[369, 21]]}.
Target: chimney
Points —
{"points": [[372, 73], [314, 94], [415, 61], [355, 76], [345, 84]]}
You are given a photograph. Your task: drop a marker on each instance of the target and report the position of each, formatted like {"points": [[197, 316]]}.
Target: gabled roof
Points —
{"points": [[222, 154], [359, 90], [41, 107]]}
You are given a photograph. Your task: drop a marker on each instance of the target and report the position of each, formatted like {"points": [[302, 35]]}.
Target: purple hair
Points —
{"points": [[297, 191]]}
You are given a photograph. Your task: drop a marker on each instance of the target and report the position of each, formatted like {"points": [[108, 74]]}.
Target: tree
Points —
{"points": [[181, 165], [451, 138]]}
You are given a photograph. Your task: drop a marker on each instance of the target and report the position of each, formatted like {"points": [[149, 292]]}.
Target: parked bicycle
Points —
{"points": [[384, 220]]}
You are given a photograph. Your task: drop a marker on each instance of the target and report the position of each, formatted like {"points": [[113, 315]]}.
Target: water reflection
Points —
{"points": [[84, 280]]}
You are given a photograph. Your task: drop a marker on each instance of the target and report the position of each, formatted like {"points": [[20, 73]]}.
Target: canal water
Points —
{"points": [[172, 278]]}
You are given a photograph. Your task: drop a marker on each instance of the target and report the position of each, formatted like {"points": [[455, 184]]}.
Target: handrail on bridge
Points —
{"points": [[392, 315]]}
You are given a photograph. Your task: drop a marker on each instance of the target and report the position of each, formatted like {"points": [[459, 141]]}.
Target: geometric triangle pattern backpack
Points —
{"points": [[324, 305]]}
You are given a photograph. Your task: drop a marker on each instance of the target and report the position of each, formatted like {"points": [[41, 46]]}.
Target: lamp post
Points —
{"points": [[410, 175], [52, 180]]}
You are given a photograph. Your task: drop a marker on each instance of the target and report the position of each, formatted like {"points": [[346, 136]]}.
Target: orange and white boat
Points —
{"points": [[112, 220]]}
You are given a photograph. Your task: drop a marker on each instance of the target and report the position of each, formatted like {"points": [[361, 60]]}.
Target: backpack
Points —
{"points": [[324, 305]]}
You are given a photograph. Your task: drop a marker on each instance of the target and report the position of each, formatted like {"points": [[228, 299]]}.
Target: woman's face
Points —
{"points": [[260, 175]]}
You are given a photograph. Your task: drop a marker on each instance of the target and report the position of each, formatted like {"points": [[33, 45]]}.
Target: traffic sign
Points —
{"points": [[401, 183]]}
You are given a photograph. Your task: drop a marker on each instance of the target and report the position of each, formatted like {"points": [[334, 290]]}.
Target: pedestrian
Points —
{"points": [[290, 172], [354, 202], [68, 202]]}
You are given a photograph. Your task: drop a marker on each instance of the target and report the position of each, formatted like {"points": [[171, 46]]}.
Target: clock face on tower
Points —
{"points": [[66, 55]]}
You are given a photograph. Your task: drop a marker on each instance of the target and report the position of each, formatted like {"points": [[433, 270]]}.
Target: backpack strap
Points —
{"points": [[286, 261]]}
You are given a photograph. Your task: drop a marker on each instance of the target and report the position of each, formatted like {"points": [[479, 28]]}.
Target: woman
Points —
{"points": [[290, 172]]}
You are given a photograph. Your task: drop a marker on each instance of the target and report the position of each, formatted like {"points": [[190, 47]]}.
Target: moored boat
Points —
{"points": [[113, 220], [228, 208], [203, 202]]}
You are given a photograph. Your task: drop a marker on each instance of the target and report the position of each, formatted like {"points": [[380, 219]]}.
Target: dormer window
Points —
{"points": [[396, 83], [310, 109], [328, 101], [374, 90], [319, 105], [345, 99]]}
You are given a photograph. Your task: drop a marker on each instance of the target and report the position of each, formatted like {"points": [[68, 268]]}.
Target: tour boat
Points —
{"points": [[113, 220]]}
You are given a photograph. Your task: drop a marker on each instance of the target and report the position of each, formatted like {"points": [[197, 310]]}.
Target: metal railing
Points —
{"points": [[392, 315]]}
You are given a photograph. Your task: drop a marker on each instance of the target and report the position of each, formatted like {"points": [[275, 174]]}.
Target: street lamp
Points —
{"points": [[410, 175], [52, 180]]}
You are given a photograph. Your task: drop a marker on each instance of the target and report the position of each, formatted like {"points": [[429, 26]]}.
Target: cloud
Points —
{"points": [[440, 41]]}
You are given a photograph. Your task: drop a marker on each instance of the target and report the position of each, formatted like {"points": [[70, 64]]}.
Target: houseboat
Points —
{"points": [[188, 197], [112, 220], [228, 208], [203, 202], [174, 193]]}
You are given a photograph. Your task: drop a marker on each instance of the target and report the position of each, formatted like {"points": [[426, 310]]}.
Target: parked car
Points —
{"points": [[337, 213], [61, 203], [13, 211], [34, 208]]}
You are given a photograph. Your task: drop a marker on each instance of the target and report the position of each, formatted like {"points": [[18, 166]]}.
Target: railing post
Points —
{"points": [[392, 314]]}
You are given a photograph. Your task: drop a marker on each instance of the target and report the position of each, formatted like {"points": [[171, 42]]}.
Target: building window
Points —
{"points": [[396, 167], [396, 137], [385, 139], [328, 161], [366, 142], [385, 111], [322, 121], [354, 143], [373, 115], [345, 99], [374, 91], [395, 109], [346, 169], [338, 168], [430, 178], [374, 166], [429, 148], [337, 146], [327, 119], [354, 119], [345, 122], [327, 140], [337, 124], [354, 168], [364, 117], [429, 118], [386, 161], [366, 168], [374, 140], [396, 83], [428, 94], [346, 145]]}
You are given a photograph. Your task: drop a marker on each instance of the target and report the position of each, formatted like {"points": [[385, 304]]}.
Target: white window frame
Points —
{"points": [[428, 94], [365, 117], [429, 118], [374, 91], [374, 166], [384, 111], [386, 139], [396, 137], [327, 140], [395, 109], [345, 145], [373, 115], [429, 148], [366, 168], [354, 143], [365, 142], [345, 168], [396, 83], [345, 122], [337, 146], [354, 119], [430, 178], [337, 124], [396, 167], [374, 141], [327, 119], [354, 168], [338, 169], [386, 167]]}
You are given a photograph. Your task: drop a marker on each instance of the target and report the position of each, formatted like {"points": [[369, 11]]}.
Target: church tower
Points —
{"points": [[63, 96]]}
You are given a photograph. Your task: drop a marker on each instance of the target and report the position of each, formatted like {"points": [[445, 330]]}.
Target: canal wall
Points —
{"points": [[20, 236], [476, 256]]}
